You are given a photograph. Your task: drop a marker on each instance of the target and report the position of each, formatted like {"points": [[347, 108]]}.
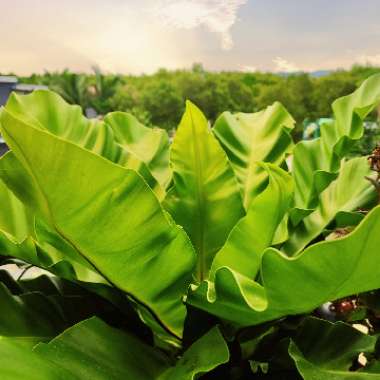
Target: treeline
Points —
{"points": [[159, 99]]}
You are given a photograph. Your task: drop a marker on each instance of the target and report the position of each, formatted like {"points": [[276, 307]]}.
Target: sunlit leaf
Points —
{"points": [[249, 139], [88, 193], [205, 199]]}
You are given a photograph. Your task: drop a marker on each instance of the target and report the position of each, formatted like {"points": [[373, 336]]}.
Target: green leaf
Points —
{"points": [[106, 213], [30, 315], [15, 219], [316, 163], [95, 351], [46, 110], [42, 307], [55, 253], [323, 272], [253, 340], [258, 367], [345, 219], [255, 232], [323, 350], [16, 228], [46, 249], [18, 361], [36, 317], [52, 253], [205, 199], [348, 192], [252, 138], [203, 356], [150, 145], [26, 250]]}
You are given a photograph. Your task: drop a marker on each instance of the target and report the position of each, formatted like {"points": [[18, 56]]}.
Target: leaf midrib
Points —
{"points": [[200, 201]]}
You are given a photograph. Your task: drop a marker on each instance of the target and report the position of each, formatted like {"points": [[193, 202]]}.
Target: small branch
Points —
{"points": [[374, 182], [374, 163]]}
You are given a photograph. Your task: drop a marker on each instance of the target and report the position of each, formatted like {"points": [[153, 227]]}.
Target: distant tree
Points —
{"points": [[329, 88], [161, 100], [102, 90], [359, 73], [198, 68], [295, 92], [209, 91], [241, 96], [125, 98], [72, 87]]}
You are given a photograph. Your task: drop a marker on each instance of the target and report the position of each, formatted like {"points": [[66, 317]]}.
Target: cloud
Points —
{"points": [[217, 15], [247, 68], [366, 59], [284, 66], [118, 38]]}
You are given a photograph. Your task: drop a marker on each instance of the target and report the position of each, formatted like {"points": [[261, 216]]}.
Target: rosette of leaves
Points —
{"points": [[203, 257]]}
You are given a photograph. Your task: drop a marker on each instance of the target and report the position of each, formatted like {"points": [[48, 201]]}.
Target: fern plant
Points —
{"points": [[213, 256]]}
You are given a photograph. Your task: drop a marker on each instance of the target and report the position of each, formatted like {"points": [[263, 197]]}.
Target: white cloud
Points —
{"points": [[247, 68], [366, 59], [284, 66], [217, 15]]}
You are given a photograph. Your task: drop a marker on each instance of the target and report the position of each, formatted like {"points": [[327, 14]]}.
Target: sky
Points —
{"points": [[141, 36]]}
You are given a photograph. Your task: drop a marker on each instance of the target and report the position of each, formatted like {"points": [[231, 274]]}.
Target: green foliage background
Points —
{"points": [[159, 99]]}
